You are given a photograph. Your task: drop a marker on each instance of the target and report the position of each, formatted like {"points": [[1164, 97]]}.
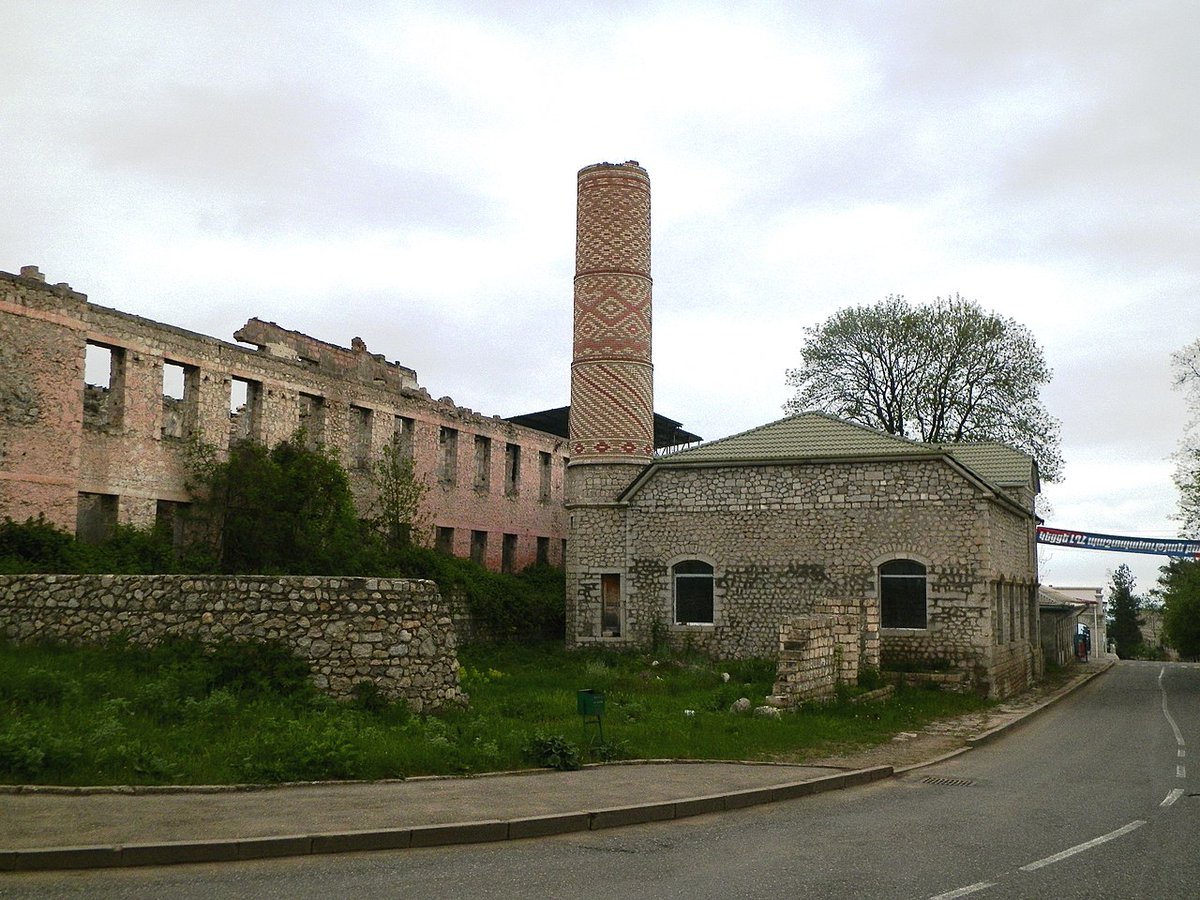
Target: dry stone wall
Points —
{"points": [[816, 653], [398, 634]]}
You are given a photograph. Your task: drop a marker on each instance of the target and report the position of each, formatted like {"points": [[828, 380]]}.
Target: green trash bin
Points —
{"points": [[590, 703]]}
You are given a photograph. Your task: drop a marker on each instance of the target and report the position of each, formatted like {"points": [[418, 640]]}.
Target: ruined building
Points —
{"points": [[90, 456], [906, 553]]}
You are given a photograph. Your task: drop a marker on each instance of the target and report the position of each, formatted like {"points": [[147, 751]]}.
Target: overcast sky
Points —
{"points": [[405, 172]]}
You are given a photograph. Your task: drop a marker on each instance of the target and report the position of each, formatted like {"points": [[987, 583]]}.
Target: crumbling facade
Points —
{"points": [[90, 456], [927, 550]]}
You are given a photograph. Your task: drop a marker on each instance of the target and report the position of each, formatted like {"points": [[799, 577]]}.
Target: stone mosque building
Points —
{"points": [[921, 554], [915, 553]]}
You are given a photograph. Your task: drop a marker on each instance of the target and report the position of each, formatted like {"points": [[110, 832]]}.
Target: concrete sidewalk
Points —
{"points": [[63, 828]]}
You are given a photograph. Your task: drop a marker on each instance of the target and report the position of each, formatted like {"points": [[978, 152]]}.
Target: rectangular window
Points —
{"points": [[245, 409], [693, 593], [104, 387], [610, 605], [169, 521], [312, 419], [444, 540], [512, 470], [95, 517], [448, 455], [483, 464], [508, 561], [403, 430], [361, 424], [179, 400], [563, 559], [545, 470], [543, 551], [902, 594], [479, 547]]}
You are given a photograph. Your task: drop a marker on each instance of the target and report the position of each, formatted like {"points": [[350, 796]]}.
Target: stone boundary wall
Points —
{"points": [[816, 653], [397, 633]]}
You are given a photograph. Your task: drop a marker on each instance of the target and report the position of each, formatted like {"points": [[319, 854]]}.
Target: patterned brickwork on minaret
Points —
{"points": [[612, 377]]}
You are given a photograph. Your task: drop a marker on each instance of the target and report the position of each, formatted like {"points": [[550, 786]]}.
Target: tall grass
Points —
{"points": [[178, 714]]}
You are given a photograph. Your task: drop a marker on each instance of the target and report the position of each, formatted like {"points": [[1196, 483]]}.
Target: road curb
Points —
{"points": [[491, 830], [990, 735]]}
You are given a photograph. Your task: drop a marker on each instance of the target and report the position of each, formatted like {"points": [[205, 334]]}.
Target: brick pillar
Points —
{"points": [[612, 377]]}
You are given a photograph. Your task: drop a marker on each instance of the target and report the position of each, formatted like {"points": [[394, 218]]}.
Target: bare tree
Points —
{"points": [[945, 372]]}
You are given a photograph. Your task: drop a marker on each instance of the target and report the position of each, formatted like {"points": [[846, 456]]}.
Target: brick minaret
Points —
{"points": [[612, 377]]}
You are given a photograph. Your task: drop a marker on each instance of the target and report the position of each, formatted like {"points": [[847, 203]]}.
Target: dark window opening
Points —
{"points": [[169, 520], [512, 470], [483, 464], [444, 540], [448, 463], [362, 423], [693, 593], [402, 436], [508, 560], [610, 605], [546, 467], [543, 551], [312, 419], [902, 594], [479, 547], [95, 517]]}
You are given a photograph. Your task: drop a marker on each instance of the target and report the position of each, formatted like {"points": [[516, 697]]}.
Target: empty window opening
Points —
{"points": [[169, 519], [312, 419], [95, 517], [447, 455], [693, 581], [902, 594], [245, 409], [562, 561], [543, 551], [512, 469], [361, 424], [444, 540], [508, 559], [104, 386], [402, 436], [610, 605], [179, 400], [483, 464], [546, 469], [479, 547]]}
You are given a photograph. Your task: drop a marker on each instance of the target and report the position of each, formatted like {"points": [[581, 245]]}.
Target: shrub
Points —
{"points": [[553, 752]]}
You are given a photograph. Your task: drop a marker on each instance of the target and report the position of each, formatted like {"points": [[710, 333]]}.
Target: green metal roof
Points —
{"points": [[817, 436]]}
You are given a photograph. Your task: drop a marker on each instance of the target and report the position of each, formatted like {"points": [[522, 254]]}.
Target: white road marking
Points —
{"points": [[1174, 727], [963, 891], [1181, 753], [1086, 845], [1175, 794], [1181, 771]]}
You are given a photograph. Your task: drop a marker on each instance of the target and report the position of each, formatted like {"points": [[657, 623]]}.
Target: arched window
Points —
{"points": [[902, 594], [693, 592]]}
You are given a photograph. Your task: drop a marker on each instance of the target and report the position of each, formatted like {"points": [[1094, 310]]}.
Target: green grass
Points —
{"points": [[121, 714]]}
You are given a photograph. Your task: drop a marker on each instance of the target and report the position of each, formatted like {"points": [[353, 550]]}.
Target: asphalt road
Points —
{"points": [[1090, 799]]}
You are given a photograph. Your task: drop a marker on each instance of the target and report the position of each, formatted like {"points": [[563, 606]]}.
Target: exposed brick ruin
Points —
{"points": [[89, 456]]}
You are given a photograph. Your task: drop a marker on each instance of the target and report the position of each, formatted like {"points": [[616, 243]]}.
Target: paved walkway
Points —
{"points": [[65, 828]]}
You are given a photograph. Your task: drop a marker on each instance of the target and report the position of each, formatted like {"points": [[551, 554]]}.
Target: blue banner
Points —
{"points": [[1085, 540]]}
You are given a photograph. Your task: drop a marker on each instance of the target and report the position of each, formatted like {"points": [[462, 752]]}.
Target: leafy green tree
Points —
{"points": [[1179, 586], [945, 372], [396, 498], [1124, 628], [287, 509]]}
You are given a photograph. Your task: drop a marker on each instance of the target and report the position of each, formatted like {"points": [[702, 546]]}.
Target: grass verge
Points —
{"points": [[175, 714]]}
